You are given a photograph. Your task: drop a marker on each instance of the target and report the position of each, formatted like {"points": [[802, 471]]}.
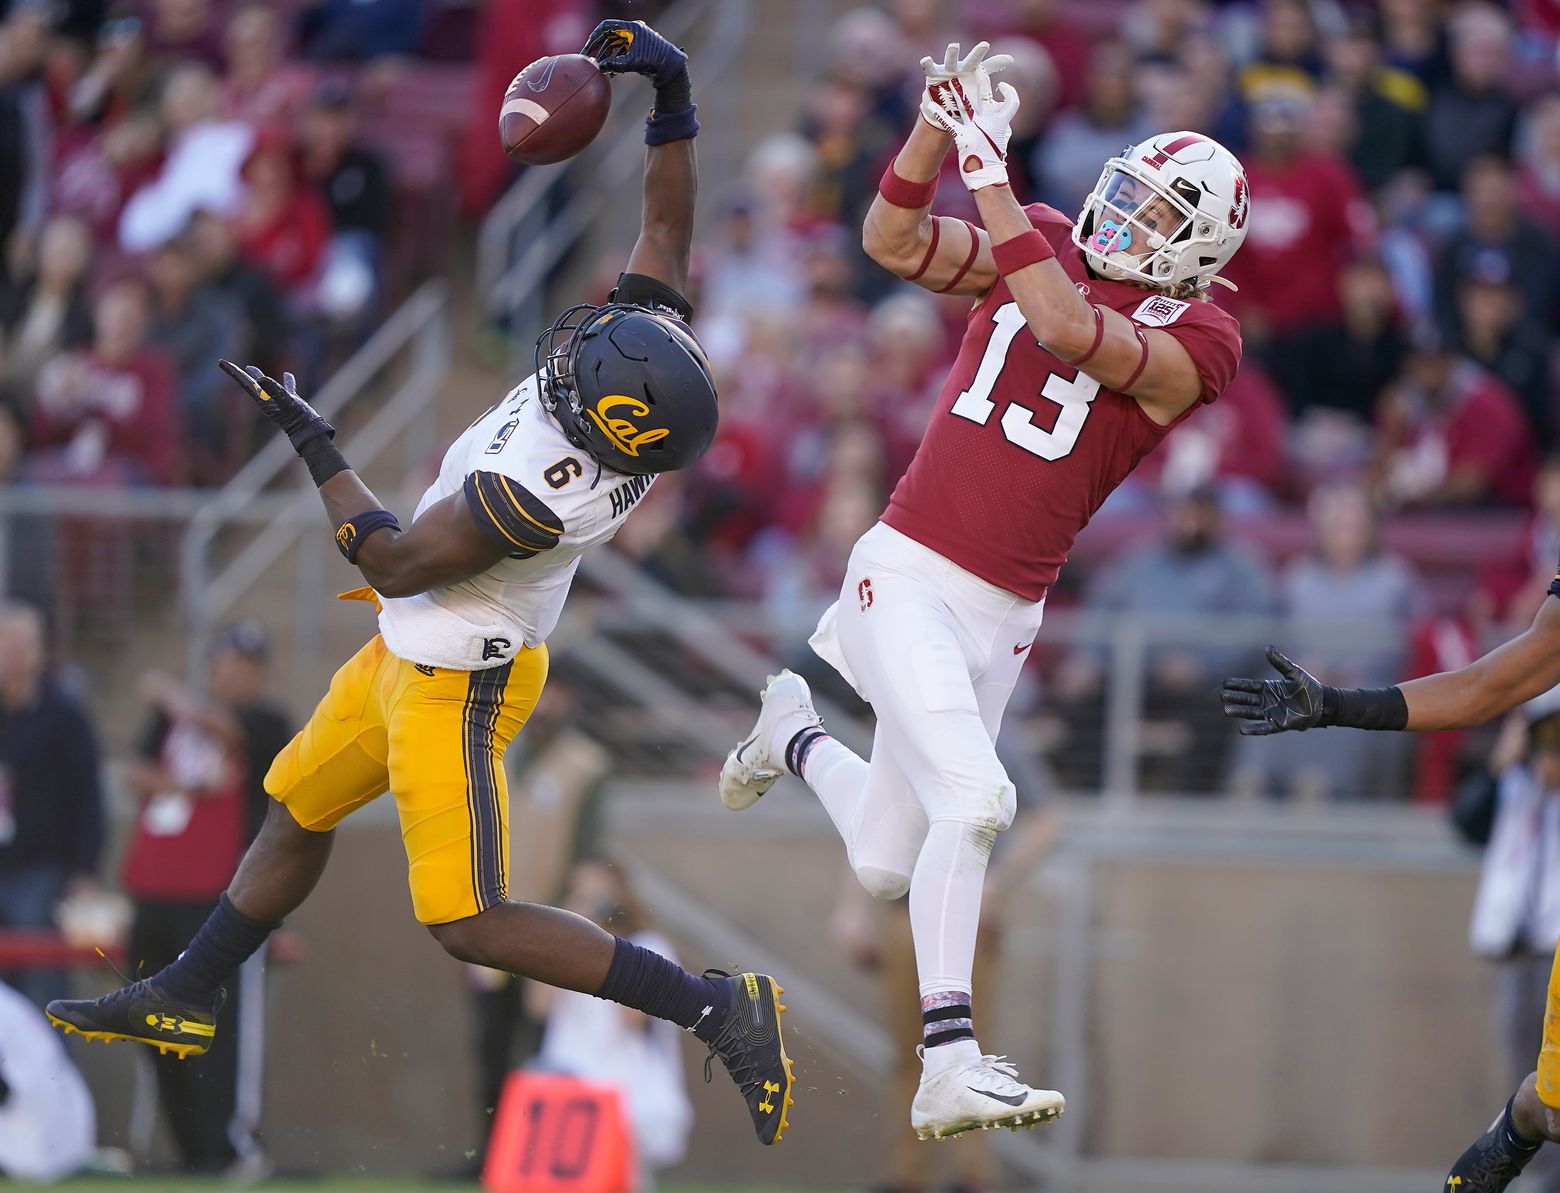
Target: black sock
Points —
{"points": [[650, 983], [800, 745], [1475, 1170], [225, 941]]}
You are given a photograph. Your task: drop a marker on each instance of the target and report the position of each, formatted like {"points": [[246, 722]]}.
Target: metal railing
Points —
{"points": [[420, 329]]}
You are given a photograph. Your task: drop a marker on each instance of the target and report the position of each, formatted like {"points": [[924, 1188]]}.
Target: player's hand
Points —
{"points": [[980, 128], [633, 47], [1263, 706], [973, 70], [279, 402]]}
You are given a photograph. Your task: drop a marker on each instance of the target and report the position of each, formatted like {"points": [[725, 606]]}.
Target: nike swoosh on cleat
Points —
{"points": [[743, 747], [1007, 1099]]}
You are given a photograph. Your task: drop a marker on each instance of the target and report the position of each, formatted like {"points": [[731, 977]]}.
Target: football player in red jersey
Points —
{"points": [[1087, 341]]}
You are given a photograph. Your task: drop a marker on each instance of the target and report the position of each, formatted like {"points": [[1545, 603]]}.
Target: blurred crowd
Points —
{"points": [[182, 180], [1398, 290]]}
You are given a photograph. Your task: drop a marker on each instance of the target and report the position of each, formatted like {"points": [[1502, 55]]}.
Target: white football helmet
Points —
{"points": [[1168, 210]]}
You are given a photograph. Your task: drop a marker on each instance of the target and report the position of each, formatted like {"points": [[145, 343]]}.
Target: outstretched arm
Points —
{"points": [[665, 241], [1509, 675], [444, 546]]}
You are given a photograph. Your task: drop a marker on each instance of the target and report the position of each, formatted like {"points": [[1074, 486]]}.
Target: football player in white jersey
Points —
{"points": [[468, 594]]}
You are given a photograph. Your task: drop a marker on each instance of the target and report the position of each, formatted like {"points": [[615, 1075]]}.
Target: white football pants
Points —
{"points": [[936, 651]]}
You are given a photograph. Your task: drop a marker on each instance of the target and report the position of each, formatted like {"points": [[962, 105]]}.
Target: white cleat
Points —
{"points": [[750, 769], [979, 1097]]}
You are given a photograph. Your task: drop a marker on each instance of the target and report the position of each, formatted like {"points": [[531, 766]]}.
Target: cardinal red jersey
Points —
{"points": [[1022, 448]]}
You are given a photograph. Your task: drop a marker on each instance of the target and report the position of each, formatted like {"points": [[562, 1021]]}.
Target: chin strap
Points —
{"points": [[1225, 282]]}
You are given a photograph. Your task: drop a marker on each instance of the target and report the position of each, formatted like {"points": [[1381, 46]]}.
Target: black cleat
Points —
{"points": [[1493, 1162], [142, 1013], [750, 1045]]}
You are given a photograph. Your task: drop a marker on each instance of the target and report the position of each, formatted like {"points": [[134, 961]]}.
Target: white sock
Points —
{"points": [[838, 775], [958, 1055], [945, 895]]}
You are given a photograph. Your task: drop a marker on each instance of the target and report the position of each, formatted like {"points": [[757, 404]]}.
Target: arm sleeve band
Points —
{"points": [[1099, 338], [1025, 249], [511, 515], [641, 290], [901, 192], [1142, 360], [968, 261], [351, 533], [1365, 708], [931, 249]]}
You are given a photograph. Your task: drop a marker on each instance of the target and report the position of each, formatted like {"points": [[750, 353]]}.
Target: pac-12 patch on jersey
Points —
{"points": [[1159, 311]]}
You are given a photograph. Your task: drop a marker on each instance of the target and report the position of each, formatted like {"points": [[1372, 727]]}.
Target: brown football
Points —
{"points": [[553, 109]]}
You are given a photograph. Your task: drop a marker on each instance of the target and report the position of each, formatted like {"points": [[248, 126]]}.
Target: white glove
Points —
{"points": [[980, 129], [973, 70]]}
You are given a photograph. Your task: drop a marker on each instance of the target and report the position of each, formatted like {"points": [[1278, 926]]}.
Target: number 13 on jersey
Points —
{"points": [[1018, 423]]}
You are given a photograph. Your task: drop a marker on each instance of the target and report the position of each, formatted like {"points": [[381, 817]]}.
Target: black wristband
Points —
{"points": [[351, 533], [324, 459], [1365, 708]]}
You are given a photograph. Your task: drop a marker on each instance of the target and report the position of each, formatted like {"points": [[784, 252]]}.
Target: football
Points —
{"points": [[553, 109]]}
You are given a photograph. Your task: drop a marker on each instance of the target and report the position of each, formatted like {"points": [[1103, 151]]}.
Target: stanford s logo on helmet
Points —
{"points": [[629, 386], [1167, 211]]}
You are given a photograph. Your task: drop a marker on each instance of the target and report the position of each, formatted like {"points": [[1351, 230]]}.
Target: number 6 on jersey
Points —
{"points": [[1018, 424]]}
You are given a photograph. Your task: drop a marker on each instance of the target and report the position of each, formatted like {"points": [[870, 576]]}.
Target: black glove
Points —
{"points": [[1264, 706], [279, 402], [634, 47]]}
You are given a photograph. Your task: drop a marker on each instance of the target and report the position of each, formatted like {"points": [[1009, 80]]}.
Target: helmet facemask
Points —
{"points": [[1134, 228]]}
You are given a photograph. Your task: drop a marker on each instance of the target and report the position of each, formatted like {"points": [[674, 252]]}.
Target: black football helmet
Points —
{"points": [[628, 386]]}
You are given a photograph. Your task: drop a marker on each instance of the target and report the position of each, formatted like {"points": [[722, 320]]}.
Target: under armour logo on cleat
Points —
{"points": [[770, 1090], [1453, 1182]]}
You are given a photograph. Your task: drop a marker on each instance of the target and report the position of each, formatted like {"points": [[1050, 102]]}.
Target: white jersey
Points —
{"points": [[533, 490]]}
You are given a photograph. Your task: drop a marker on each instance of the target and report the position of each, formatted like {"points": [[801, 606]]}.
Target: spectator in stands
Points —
{"points": [[1513, 809], [24, 121], [1451, 434], [201, 169], [194, 773], [1494, 221], [194, 325], [284, 226], [179, 31], [360, 30], [1307, 219], [1361, 356], [44, 312], [264, 329], [1081, 138], [1055, 31], [1412, 40], [51, 799], [1033, 75], [262, 87], [1494, 330], [97, 171], [602, 1042], [1194, 578], [1351, 604], [357, 188], [1473, 114], [1388, 106], [1538, 175], [1289, 50], [108, 413]]}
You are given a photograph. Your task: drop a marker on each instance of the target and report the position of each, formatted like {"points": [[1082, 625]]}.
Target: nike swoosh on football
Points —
{"points": [[1009, 1099], [1024, 647]]}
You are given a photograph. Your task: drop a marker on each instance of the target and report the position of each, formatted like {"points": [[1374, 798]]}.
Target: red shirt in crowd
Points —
{"points": [[290, 246], [1242, 436], [98, 414], [1478, 426], [1308, 217]]}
